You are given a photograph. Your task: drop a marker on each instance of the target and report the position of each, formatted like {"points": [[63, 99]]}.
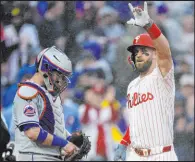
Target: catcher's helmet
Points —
{"points": [[140, 40], [56, 69]]}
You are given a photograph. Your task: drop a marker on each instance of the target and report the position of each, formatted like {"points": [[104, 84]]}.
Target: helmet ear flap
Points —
{"points": [[133, 58]]}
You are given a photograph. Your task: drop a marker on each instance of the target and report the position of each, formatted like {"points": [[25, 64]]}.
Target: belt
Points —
{"points": [[148, 152], [55, 156]]}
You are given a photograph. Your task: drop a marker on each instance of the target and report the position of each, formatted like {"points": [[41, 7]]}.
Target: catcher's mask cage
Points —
{"points": [[140, 40], [55, 68]]}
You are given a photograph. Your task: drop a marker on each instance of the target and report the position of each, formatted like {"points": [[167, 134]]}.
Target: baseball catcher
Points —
{"points": [[40, 133]]}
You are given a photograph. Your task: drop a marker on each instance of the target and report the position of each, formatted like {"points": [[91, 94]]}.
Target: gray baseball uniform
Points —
{"points": [[34, 104]]}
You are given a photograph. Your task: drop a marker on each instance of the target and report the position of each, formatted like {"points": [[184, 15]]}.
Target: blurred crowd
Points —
{"points": [[95, 36]]}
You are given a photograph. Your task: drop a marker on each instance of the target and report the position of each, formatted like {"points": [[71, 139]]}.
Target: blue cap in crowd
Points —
{"points": [[162, 8], [94, 47]]}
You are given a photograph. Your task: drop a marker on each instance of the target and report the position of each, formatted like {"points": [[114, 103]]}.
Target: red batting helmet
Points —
{"points": [[140, 40]]}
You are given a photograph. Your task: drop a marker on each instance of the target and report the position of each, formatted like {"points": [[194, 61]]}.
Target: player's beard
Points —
{"points": [[144, 67]]}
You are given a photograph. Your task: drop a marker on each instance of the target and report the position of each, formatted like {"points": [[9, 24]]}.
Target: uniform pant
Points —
{"points": [[35, 157], [131, 155]]}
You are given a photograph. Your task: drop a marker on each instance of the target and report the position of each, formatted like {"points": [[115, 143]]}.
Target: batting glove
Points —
{"points": [[141, 16], [120, 153]]}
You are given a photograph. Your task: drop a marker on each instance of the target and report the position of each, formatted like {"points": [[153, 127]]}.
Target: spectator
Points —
{"points": [[95, 50], [182, 67], [25, 72], [187, 85], [97, 114], [179, 9], [122, 8], [113, 31], [187, 22], [168, 24], [23, 31], [51, 29], [85, 20], [71, 115], [184, 119]]}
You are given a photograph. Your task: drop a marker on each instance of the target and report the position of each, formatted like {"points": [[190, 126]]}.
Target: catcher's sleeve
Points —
{"points": [[126, 139]]}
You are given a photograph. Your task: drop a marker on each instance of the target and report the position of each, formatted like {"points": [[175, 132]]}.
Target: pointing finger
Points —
{"points": [[145, 6], [131, 7]]}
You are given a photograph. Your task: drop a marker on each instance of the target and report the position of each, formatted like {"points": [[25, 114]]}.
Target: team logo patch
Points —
{"points": [[29, 111], [137, 38]]}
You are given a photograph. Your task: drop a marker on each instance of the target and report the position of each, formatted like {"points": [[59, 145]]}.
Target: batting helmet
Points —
{"points": [[140, 40], [56, 69]]}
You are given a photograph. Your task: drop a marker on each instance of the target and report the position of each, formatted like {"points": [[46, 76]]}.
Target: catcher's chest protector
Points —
{"points": [[51, 116]]}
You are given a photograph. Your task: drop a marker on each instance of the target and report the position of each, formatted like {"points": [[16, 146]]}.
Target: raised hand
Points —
{"points": [[141, 16]]}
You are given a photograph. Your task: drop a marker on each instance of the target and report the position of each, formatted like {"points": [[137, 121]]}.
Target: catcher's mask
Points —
{"points": [[140, 40], [56, 69]]}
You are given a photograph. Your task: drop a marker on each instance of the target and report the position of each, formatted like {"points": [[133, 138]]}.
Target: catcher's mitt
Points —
{"points": [[83, 144]]}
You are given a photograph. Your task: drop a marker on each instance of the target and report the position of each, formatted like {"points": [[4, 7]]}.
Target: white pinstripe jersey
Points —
{"points": [[150, 103]]}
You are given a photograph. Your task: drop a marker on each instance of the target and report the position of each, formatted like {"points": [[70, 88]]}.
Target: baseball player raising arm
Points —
{"points": [[38, 115], [150, 96]]}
